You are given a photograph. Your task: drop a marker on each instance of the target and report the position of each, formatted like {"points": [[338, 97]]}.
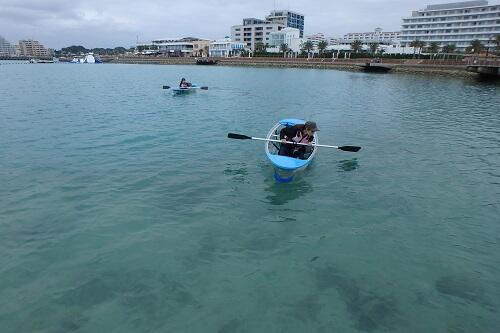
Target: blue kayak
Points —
{"points": [[187, 90], [286, 167]]}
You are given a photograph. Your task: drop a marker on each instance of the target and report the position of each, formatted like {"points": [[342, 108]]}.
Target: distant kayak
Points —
{"points": [[286, 167], [185, 90]]}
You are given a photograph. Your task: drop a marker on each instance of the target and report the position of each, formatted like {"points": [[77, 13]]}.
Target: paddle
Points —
{"points": [[245, 137], [202, 88]]}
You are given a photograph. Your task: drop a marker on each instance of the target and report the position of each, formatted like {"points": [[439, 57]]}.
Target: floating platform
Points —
{"points": [[205, 61], [375, 67]]}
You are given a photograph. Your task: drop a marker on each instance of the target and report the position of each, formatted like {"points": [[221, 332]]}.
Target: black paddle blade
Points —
{"points": [[204, 88], [166, 87], [238, 136], [353, 149]]}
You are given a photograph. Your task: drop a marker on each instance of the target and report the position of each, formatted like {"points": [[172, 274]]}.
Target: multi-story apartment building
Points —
{"points": [[32, 48], [254, 31], [6, 49], [377, 36], [452, 23], [288, 18]]}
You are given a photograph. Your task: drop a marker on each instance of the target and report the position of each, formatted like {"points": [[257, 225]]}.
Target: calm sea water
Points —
{"points": [[124, 208]]}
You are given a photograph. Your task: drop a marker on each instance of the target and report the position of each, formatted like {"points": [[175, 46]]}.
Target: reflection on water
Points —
{"points": [[348, 165], [281, 193]]}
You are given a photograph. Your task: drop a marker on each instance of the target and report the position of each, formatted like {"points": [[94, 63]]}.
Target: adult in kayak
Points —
{"points": [[184, 83], [300, 133]]}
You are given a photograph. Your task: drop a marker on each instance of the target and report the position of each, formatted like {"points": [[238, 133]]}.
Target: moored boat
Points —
{"points": [[286, 167]]}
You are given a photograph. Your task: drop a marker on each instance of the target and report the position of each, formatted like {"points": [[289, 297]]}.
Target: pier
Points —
{"points": [[488, 67]]}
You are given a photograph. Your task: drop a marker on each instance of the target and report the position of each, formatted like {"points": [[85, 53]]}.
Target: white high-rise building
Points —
{"points": [[6, 49], [253, 31], [289, 19], [452, 23]]}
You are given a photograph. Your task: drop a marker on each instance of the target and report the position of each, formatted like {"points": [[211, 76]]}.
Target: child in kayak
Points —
{"points": [[297, 134], [184, 84]]}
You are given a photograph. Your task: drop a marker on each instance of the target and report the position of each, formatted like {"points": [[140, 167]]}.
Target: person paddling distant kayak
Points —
{"points": [[184, 83], [297, 134]]}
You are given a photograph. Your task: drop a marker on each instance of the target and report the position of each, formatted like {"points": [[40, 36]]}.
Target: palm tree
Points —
{"points": [[356, 46], [475, 46], [374, 47], [417, 45], [206, 50], [449, 48], [497, 43], [322, 45], [284, 49], [433, 47], [307, 47], [260, 47]]}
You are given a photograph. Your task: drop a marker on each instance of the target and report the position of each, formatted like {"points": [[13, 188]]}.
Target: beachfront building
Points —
{"points": [[225, 48], [453, 24], [254, 31], [316, 38], [383, 39], [175, 47], [377, 36], [288, 18], [201, 47], [32, 48], [6, 49], [288, 36]]}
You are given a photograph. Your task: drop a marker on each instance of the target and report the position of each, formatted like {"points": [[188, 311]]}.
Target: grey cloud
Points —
{"points": [[92, 23]]}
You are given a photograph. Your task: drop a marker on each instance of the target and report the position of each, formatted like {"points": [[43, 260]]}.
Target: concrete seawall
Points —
{"points": [[415, 66]]}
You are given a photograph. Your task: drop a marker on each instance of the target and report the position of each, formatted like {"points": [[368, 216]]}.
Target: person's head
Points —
{"points": [[310, 128], [183, 80]]}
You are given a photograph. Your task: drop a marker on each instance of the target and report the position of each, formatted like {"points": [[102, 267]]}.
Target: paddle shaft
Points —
{"points": [[294, 143]]}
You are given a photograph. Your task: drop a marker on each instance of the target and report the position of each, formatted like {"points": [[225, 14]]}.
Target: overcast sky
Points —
{"points": [[110, 23]]}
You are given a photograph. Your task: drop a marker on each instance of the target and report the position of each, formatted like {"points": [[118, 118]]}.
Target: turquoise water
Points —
{"points": [[124, 208]]}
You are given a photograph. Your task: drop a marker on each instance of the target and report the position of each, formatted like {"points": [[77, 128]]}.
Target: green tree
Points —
{"points": [[307, 47], [356, 46], [374, 47], [433, 47], [284, 49], [475, 46], [260, 47], [449, 48], [417, 45], [497, 43], [322, 45]]}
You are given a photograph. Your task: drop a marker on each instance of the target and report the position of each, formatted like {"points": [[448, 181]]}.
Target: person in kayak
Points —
{"points": [[301, 133], [184, 83]]}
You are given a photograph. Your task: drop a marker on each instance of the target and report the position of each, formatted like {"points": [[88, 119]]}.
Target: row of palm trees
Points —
{"points": [[357, 46]]}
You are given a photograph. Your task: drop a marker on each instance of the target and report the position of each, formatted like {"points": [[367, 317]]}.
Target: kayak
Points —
{"points": [[286, 167], [187, 90]]}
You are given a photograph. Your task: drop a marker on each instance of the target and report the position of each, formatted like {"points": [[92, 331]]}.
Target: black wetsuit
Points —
{"points": [[297, 151]]}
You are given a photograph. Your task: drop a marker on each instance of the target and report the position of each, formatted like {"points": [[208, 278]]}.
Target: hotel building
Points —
{"points": [[288, 18], [377, 36], [6, 49], [32, 48], [453, 23], [254, 30]]}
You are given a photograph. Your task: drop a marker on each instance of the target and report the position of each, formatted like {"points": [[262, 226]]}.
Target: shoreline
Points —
{"points": [[456, 69]]}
